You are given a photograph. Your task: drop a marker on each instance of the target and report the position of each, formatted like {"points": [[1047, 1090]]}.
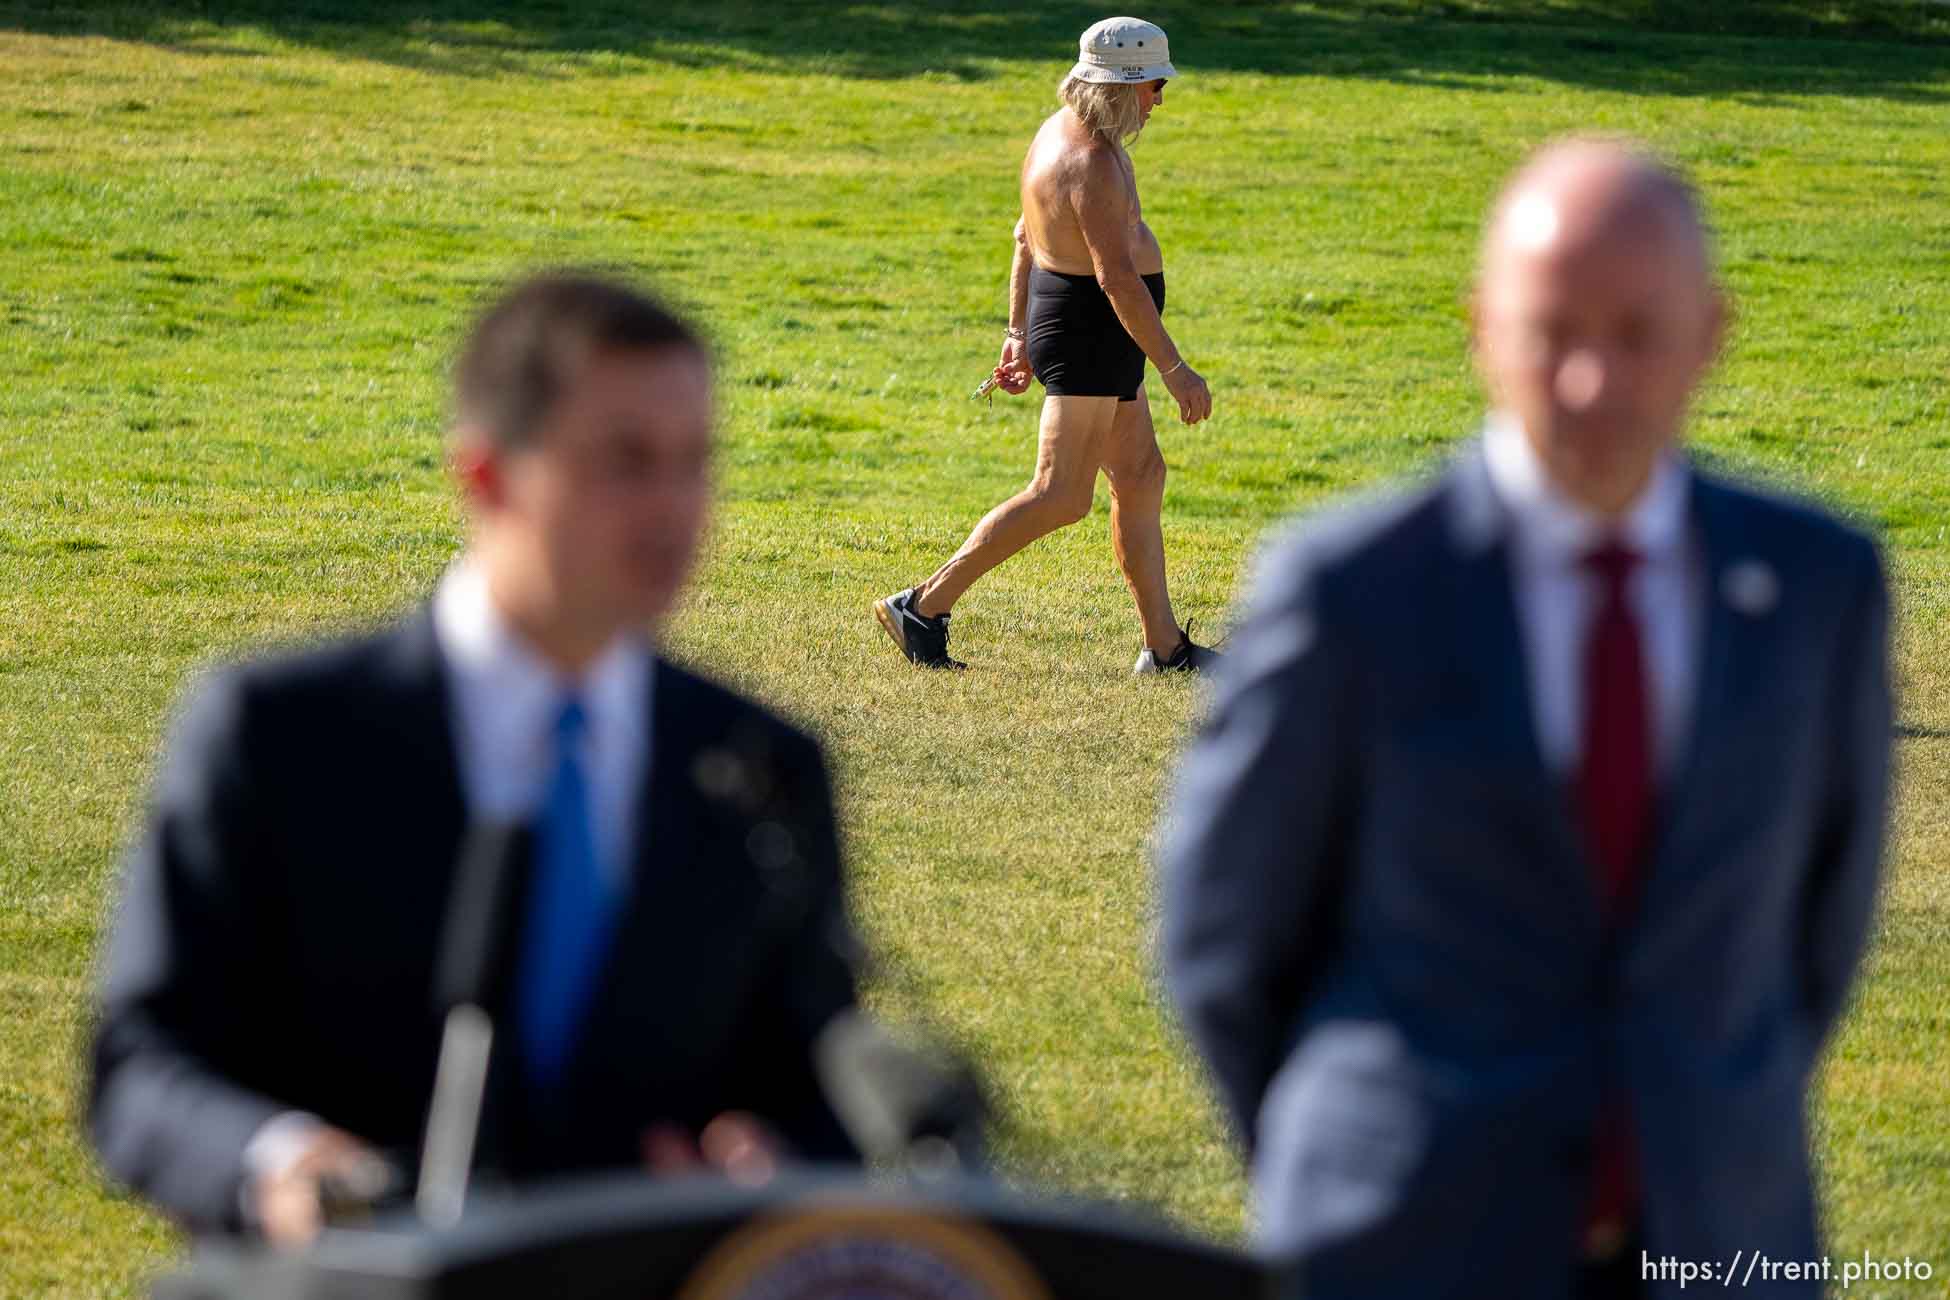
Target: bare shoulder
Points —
{"points": [[1092, 168], [1053, 153]]}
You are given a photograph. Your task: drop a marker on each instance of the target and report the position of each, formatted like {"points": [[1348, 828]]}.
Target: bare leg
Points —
{"points": [[1067, 457], [1136, 470]]}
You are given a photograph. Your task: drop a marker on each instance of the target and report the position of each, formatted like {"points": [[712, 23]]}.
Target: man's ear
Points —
{"points": [[478, 466]]}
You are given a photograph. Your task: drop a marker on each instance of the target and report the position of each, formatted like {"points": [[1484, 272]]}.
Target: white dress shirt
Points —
{"points": [[1557, 598], [506, 699]]}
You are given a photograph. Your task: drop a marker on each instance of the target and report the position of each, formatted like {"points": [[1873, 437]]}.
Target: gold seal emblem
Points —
{"points": [[864, 1253]]}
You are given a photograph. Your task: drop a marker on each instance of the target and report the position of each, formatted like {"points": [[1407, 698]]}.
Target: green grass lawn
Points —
{"points": [[237, 240]]}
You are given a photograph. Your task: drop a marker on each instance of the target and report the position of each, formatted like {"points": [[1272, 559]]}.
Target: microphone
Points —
{"points": [[479, 924], [481, 914], [905, 1103]]}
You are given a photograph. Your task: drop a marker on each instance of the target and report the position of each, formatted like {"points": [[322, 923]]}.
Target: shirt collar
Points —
{"points": [[1552, 527], [493, 662]]}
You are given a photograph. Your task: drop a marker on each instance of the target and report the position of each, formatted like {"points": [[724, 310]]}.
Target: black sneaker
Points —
{"points": [[1187, 658], [923, 640]]}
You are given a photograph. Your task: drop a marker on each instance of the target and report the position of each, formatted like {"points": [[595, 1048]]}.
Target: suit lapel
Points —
{"points": [[414, 772], [1493, 656], [1484, 616], [666, 829], [648, 956], [1733, 654], [1486, 625], [423, 751], [425, 731]]}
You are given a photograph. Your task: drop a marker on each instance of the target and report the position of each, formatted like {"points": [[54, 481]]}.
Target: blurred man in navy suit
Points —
{"points": [[1524, 861], [267, 1020]]}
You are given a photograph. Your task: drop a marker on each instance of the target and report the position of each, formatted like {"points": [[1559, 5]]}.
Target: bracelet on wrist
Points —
{"points": [[1017, 333], [1174, 370]]}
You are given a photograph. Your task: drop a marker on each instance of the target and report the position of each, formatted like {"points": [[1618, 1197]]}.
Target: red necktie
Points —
{"points": [[1615, 778], [1615, 807]]}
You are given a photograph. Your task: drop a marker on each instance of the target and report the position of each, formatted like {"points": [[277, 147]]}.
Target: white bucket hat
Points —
{"points": [[1123, 50]]}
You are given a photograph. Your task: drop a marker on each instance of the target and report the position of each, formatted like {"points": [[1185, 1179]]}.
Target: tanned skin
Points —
{"points": [[1081, 216]]}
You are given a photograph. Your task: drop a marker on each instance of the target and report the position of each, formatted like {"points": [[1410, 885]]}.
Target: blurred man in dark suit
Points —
{"points": [[266, 1016], [1525, 859]]}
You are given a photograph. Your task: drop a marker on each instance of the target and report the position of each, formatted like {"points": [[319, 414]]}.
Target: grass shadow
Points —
{"points": [[1757, 48]]}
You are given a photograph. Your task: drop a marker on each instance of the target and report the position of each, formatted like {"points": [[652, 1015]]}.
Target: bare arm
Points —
{"points": [[1019, 280], [1012, 369], [1103, 207]]}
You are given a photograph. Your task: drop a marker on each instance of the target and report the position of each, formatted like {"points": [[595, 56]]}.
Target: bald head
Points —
{"points": [[1583, 191], [1595, 313]]}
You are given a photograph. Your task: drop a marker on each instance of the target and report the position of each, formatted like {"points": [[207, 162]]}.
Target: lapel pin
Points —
{"points": [[1751, 587], [718, 774]]}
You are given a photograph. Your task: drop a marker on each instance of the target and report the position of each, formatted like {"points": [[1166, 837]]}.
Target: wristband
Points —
{"points": [[1174, 370], [1018, 334]]}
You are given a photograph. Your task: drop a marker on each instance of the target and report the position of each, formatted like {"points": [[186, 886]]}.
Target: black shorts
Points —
{"points": [[1077, 346]]}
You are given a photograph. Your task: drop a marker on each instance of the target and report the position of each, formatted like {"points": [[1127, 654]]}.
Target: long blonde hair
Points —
{"points": [[1109, 108]]}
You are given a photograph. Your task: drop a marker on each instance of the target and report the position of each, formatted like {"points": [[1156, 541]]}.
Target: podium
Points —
{"points": [[806, 1236]]}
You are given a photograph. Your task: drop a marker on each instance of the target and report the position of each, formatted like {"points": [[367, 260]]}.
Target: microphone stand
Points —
{"points": [[480, 915], [907, 1104]]}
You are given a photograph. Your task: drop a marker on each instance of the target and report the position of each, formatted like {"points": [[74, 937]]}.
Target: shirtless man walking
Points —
{"points": [[1085, 296]]}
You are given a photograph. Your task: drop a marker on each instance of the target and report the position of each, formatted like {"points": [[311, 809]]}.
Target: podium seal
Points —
{"points": [[863, 1253]]}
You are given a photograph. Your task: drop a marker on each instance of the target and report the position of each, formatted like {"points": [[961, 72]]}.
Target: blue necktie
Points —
{"points": [[567, 934]]}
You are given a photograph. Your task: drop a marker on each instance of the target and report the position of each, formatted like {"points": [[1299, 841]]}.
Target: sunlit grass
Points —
{"points": [[235, 248]]}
